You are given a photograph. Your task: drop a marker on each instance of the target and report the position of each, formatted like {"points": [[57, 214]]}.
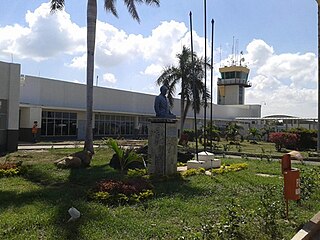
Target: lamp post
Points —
{"points": [[205, 78], [318, 138]]}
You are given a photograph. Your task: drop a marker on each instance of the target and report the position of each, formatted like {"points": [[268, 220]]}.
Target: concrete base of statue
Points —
{"points": [[206, 160], [162, 146]]}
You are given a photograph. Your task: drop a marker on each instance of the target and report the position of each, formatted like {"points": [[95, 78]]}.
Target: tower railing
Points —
{"points": [[234, 81]]}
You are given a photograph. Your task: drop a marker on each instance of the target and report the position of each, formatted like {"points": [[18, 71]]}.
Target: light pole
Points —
{"points": [[318, 138], [205, 77]]}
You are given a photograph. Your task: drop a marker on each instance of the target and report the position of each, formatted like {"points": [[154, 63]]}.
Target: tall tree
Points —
{"points": [[91, 36], [184, 74]]}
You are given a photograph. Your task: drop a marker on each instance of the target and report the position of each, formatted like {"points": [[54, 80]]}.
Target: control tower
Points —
{"points": [[232, 84]]}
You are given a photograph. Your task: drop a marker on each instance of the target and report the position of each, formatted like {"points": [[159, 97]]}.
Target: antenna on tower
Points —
{"points": [[236, 51], [232, 55], [220, 52]]}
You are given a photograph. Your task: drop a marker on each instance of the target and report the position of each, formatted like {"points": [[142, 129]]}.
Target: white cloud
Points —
{"points": [[258, 52], [282, 83], [153, 70], [47, 35], [109, 78], [285, 82]]}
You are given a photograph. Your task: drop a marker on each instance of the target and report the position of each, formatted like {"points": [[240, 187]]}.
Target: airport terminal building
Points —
{"points": [[59, 107]]}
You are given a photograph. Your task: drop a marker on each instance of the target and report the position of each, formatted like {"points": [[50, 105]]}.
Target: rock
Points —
{"points": [[85, 157], [75, 160], [69, 162]]}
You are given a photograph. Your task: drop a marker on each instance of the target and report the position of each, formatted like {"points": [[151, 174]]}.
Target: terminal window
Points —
{"points": [[58, 123]]}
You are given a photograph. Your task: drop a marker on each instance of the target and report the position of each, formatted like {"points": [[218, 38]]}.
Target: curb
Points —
{"points": [[311, 230]]}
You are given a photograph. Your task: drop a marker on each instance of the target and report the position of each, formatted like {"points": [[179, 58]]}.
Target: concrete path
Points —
{"points": [[41, 146]]}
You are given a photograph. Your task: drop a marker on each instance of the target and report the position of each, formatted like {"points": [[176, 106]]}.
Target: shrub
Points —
{"points": [[284, 140], [9, 169], [307, 138], [124, 159], [230, 168], [309, 181], [190, 134], [121, 192]]}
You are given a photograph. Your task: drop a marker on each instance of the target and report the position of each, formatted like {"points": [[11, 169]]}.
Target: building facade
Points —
{"points": [[59, 107], [9, 106]]}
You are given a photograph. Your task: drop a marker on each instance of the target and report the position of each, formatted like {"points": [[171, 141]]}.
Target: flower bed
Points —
{"points": [[8, 169], [114, 192]]}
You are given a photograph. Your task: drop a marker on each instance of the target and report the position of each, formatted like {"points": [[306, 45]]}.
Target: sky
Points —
{"points": [[278, 40]]}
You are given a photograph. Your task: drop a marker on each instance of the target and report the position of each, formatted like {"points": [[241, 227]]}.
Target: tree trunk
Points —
{"points": [[91, 36]]}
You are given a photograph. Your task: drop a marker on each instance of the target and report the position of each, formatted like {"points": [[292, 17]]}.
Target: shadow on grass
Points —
{"points": [[58, 192]]}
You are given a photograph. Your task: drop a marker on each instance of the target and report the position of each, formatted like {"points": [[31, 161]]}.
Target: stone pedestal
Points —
{"points": [[162, 146], [206, 160]]}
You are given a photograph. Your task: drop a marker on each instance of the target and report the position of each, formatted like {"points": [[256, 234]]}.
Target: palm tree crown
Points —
{"points": [[185, 73]]}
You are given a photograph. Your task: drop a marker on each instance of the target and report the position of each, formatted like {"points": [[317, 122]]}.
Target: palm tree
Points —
{"points": [[232, 131], [184, 73], [91, 36], [255, 134]]}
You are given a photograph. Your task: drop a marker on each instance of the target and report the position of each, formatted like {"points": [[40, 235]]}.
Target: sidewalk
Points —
{"points": [[51, 145]]}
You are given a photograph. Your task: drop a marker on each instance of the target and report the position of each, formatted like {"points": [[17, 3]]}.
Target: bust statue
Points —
{"points": [[161, 105]]}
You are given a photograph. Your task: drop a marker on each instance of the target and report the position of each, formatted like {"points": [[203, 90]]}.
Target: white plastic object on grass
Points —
{"points": [[74, 213], [297, 155]]}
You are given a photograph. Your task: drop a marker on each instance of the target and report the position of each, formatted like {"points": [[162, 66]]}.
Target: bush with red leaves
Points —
{"points": [[8, 169], [284, 140], [8, 165], [113, 192], [129, 187]]}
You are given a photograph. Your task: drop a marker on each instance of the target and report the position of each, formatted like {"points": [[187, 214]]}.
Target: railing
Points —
{"points": [[234, 81]]}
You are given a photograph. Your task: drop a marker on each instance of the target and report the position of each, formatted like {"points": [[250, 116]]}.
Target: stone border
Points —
{"points": [[311, 230]]}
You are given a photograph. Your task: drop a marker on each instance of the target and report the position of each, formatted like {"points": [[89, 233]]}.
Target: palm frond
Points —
{"points": [[109, 6], [56, 5], [132, 8], [151, 2]]}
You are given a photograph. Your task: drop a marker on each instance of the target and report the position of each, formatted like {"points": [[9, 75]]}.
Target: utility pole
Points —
{"points": [[318, 138], [205, 78]]}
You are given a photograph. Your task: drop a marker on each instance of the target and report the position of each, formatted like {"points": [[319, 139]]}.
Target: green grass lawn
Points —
{"points": [[35, 204]]}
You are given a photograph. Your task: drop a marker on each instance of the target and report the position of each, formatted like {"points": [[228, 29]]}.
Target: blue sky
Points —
{"points": [[278, 39]]}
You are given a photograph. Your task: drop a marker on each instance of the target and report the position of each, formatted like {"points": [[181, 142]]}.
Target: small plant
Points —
{"points": [[309, 181], [271, 210], [180, 164], [134, 173], [114, 192], [239, 148], [8, 169], [226, 147], [124, 157], [229, 227]]}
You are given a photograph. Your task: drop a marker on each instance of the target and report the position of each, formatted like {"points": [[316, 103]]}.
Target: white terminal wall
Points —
{"points": [[55, 94], [9, 90]]}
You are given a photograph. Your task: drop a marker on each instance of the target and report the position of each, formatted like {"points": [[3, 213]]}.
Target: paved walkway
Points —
{"points": [[58, 145]]}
